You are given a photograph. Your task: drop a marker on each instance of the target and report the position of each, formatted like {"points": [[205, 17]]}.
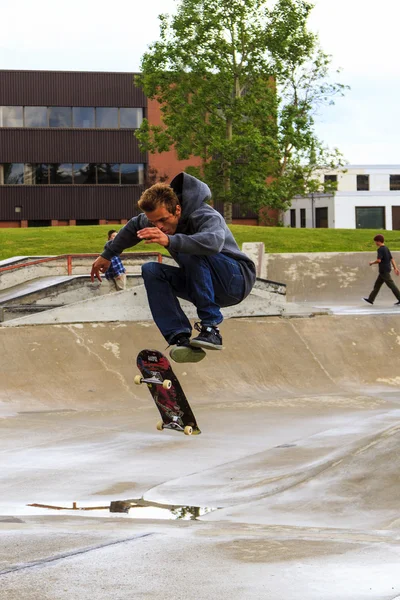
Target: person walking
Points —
{"points": [[385, 261], [116, 273]]}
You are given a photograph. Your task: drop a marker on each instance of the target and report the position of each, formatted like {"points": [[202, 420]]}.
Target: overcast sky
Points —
{"points": [[361, 35]]}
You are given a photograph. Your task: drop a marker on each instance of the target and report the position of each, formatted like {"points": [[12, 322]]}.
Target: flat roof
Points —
{"points": [[54, 71]]}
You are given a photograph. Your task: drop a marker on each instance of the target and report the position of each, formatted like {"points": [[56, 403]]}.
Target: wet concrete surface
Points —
{"points": [[299, 453]]}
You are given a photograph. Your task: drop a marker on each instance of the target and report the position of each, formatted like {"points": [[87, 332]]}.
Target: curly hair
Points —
{"points": [[156, 195]]}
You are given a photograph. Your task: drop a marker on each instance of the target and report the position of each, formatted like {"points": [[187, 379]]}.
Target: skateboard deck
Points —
{"points": [[166, 391]]}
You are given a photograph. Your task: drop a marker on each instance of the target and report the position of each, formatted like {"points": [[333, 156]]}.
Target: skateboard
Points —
{"points": [[166, 391]]}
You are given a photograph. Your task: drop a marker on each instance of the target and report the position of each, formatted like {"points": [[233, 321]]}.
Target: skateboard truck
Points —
{"points": [[166, 383]]}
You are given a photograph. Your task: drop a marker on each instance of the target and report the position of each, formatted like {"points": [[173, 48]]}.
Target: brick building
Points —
{"points": [[68, 154]]}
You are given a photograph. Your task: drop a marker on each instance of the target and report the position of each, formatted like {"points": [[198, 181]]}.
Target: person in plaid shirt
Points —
{"points": [[116, 273]]}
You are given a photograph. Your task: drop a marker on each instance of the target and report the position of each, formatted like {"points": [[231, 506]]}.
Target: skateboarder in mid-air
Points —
{"points": [[212, 271], [385, 261]]}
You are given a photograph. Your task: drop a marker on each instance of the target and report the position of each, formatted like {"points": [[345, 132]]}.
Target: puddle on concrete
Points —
{"points": [[134, 509], [286, 446], [150, 510]]}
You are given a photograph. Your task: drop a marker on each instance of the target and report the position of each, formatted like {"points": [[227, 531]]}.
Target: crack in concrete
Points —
{"points": [[321, 366], [125, 385], [51, 559]]}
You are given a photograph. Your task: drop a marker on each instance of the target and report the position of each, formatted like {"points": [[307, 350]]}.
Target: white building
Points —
{"points": [[367, 197]]}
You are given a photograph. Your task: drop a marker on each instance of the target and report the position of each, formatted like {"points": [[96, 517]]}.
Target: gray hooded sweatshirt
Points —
{"points": [[201, 230]]}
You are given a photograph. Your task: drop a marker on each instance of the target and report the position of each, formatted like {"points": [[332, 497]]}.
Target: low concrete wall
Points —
{"points": [[65, 291], [267, 298], [334, 277]]}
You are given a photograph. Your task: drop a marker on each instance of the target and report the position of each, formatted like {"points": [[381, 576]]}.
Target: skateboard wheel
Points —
{"points": [[188, 430], [160, 425], [167, 384], [138, 379]]}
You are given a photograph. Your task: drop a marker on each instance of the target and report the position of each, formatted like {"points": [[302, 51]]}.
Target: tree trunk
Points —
{"points": [[227, 178], [228, 212]]}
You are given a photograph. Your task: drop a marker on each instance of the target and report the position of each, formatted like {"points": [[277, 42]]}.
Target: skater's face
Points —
{"points": [[164, 220]]}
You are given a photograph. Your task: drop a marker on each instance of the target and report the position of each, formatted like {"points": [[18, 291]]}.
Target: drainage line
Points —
{"points": [[44, 561]]}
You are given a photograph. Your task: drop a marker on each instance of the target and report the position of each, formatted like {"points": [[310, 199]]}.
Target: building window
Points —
{"points": [[396, 217], [292, 217], [132, 174], [107, 118], [39, 223], [370, 217], [321, 217], [87, 221], [60, 116], [330, 178], [67, 173], [83, 117], [80, 117], [14, 173], [302, 217], [362, 183], [35, 116], [394, 183], [130, 118], [84, 173], [61, 173], [11, 116], [42, 172], [108, 173]]}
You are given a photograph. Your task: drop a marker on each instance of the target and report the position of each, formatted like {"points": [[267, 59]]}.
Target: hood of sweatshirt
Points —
{"points": [[191, 192]]}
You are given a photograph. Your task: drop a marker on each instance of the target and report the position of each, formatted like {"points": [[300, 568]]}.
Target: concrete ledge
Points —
{"points": [[131, 305]]}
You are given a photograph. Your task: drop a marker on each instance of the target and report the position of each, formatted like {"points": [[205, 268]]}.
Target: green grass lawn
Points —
{"points": [[37, 241]]}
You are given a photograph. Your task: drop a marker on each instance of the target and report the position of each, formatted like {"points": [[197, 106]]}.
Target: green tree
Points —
{"points": [[239, 82]]}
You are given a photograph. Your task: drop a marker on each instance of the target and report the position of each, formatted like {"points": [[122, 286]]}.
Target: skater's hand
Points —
{"points": [[100, 265], [153, 235], [397, 271], [371, 263]]}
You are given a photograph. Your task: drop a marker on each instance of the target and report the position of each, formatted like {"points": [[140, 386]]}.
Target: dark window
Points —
{"points": [[108, 173], [396, 217], [11, 116], [84, 173], [362, 183], [331, 178], [292, 217], [61, 173], [370, 217], [394, 183], [321, 217], [35, 116], [130, 118], [60, 116], [83, 117], [131, 174], [37, 223], [87, 221], [38, 174], [107, 118], [302, 217], [14, 173]]}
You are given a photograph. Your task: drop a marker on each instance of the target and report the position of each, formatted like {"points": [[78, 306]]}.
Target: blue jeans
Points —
{"points": [[209, 282]]}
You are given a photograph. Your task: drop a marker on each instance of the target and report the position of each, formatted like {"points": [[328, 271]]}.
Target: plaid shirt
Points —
{"points": [[115, 269]]}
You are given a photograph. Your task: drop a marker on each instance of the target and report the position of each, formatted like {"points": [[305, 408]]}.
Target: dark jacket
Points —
{"points": [[201, 230]]}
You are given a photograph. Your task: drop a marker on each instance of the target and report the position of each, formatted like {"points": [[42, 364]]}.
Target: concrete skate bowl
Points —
{"points": [[289, 408], [298, 456]]}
